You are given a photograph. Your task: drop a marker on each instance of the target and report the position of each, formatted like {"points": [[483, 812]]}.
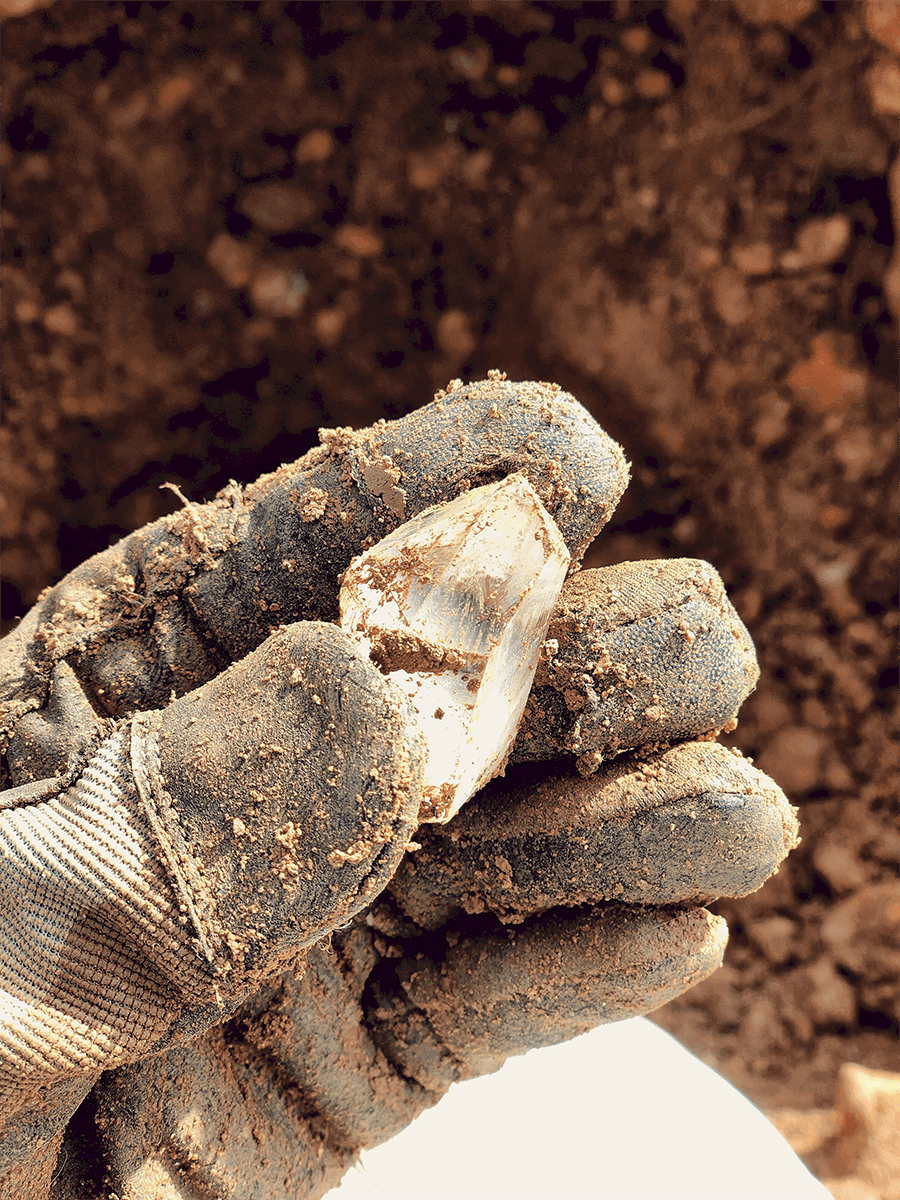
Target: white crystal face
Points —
{"points": [[453, 606]]}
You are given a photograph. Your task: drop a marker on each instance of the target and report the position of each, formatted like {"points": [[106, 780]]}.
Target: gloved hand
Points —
{"points": [[219, 938]]}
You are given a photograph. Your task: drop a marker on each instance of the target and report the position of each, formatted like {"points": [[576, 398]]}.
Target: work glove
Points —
{"points": [[230, 956]]}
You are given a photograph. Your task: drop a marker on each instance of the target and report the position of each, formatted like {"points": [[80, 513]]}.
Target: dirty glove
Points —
{"points": [[219, 937]]}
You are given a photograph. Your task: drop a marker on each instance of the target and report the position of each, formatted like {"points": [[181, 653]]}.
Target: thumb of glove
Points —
{"points": [[283, 794]]}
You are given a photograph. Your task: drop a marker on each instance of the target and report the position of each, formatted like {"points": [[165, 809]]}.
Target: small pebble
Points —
{"points": [[635, 40], [329, 325], [651, 84], [832, 517], [476, 165], [36, 166], [278, 291], [756, 258], [508, 76], [707, 257], [525, 125], [829, 998], [777, 937], [883, 79], [130, 113], [823, 381], [772, 424], [277, 206], [26, 312], [472, 61], [867, 1154], [883, 22], [793, 758], [230, 259], [71, 282], [818, 243], [680, 13], [788, 13], [61, 319], [613, 91], [863, 931], [18, 8], [172, 94], [314, 147], [423, 172], [358, 240], [839, 864], [454, 334]]}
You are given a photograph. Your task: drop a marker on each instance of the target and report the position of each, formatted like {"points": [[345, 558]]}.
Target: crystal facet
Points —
{"points": [[453, 606]]}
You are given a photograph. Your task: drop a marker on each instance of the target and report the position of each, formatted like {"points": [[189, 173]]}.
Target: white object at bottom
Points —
{"points": [[621, 1113]]}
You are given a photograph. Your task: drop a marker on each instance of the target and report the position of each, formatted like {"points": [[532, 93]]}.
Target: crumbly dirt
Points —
{"points": [[228, 225]]}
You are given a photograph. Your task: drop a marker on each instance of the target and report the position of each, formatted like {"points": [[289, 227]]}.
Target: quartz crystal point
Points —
{"points": [[454, 606]]}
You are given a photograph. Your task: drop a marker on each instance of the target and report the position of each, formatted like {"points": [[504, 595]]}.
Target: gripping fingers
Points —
{"points": [[170, 606], [307, 521], [681, 827]]}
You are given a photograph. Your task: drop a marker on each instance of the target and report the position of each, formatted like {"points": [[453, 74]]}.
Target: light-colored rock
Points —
{"points": [[19, 8], [61, 318], [793, 758], [231, 259], [869, 1141], [829, 998], [772, 423], [652, 84], [278, 291], [358, 240], [851, 1188], [804, 1129], [454, 334], [754, 258], [172, 93], [883, 80], [863, 931], [788, 13], [883, 22], [636, 39], [329, 325], [777, 937], [819, 243], [824, 381], [454, 606], [315, 147], [836, 861], [613, 91]]}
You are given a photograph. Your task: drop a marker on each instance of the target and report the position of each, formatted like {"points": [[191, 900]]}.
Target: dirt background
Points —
{"points": [[228, 224]]}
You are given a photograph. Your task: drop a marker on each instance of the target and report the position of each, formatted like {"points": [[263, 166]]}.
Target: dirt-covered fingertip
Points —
{"points": [[550, 979], [476, 433]]}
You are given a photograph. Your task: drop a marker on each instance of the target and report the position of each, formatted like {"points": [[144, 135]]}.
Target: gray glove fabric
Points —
{"points": [[229, 958]]}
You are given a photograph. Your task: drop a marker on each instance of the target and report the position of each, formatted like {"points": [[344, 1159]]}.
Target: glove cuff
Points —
{"points": [[95, 959]]}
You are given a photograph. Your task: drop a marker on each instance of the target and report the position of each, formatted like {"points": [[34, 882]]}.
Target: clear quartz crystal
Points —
{"points": [[454, 606]]}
